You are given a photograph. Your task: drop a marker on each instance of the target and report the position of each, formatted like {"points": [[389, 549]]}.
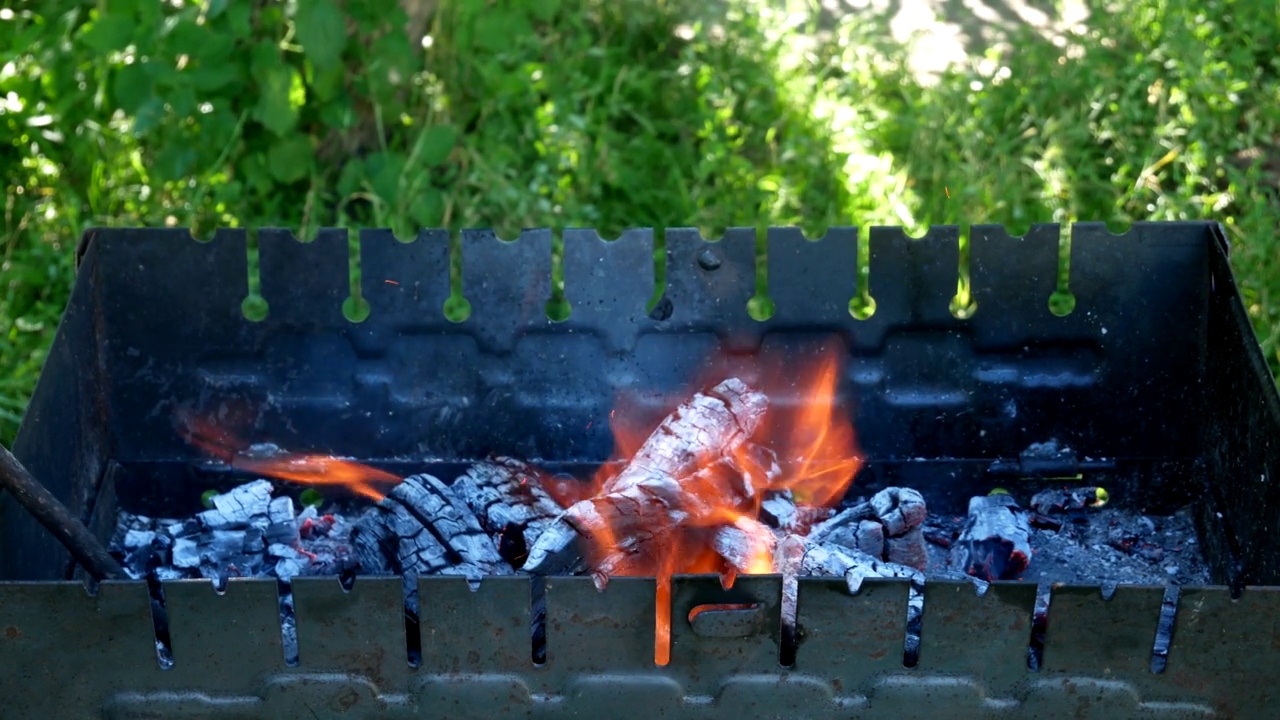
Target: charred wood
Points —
{"points": [[423, 527], [995, 543], [908, 549], [691, 469], [508, 498]]}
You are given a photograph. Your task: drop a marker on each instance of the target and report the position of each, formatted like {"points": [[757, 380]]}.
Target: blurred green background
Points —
{"points": [[621, 113]]}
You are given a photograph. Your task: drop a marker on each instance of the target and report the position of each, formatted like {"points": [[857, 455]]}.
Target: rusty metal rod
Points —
{"points": [[55, 516]]}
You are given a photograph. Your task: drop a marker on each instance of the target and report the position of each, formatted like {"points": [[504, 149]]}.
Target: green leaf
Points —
{"points": [[174, 161], [351, 178], [254, 170], [497, 30], [291, 160], [437, 144], [276, 108], [338, 116], [216, 7], [148, 116], [427, 207], [182, 100], [209, 77], [545, 10], [240, 19], [108, 33], [325, 84], [132, 87], [384, 171], [322, 31]]}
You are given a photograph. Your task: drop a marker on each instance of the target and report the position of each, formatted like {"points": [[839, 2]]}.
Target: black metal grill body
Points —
{"points": [[1154, 382]]}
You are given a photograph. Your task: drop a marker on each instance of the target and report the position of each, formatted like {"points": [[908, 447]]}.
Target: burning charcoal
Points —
{"points": [[559, 550], [780, 511], [134, 539], [688, 468], [898, 509], [908, 549], [238, 507], [864, 535], [995, 542], [185, 529], [186, 553], [283, 527], [254, 542], [280, 510], [1065, 500], [424, 527], [747, 545], [508, 494], [286, 552]]}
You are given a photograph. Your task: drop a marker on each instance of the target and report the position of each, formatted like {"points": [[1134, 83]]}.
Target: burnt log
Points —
{"points": [[908, 549], [422, 526], [689, 471], [508, 498], [744, 544], [995, 543], [888, 526]]}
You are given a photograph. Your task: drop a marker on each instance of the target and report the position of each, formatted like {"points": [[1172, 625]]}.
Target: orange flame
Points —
{"points": [[304, 469], [811, 434]]}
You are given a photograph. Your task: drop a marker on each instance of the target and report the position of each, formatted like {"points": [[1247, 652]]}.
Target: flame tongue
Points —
{"points": [[689, 499]]}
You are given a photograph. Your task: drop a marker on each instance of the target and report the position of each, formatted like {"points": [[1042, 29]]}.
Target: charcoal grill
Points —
{"points": [[1154, 381]]}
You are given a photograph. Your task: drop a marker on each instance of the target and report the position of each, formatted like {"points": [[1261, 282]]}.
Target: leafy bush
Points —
{"points": [[515, 114]]}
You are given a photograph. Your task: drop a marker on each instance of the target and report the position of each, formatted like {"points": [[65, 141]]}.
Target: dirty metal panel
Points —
{"points": [[1010, 279], [57, 641], [982, 637], [1114, 638], [304, 283], [508, 284], [1142, 299], [1098, 653], [626, 265], [475, 631], [811, 281], [911, 280], [703, 653], [407, 282], [589, 630], [359, 632], [1228, 650], [709, 284], [850, 639], [223, 643]]}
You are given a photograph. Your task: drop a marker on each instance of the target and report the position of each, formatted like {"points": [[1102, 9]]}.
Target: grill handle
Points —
{"points": [[55, 516]]}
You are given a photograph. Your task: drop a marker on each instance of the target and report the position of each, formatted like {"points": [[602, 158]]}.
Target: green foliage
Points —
{"points": [[314, 113]]}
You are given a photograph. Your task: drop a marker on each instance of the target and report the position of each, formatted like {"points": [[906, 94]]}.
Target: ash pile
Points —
{"points": [[699, 481]]}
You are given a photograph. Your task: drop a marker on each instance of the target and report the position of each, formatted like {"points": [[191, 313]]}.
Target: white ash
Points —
{"points": [[1107, 546], [246, 533], [250, 532]]}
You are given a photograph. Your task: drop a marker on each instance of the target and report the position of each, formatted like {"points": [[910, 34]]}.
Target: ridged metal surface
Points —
{"points": [[94, 656]]}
